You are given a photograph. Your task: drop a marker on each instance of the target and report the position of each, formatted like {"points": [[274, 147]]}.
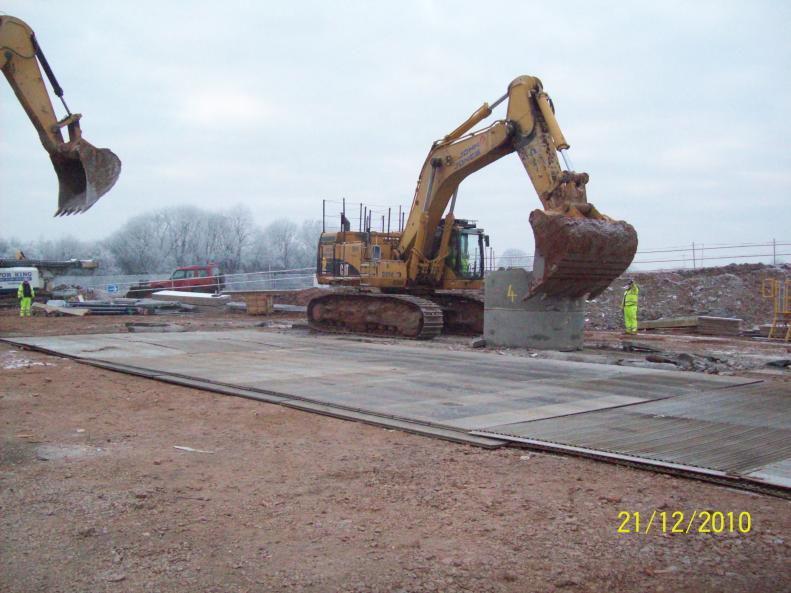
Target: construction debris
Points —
{"points": [[694, 362], [709, 326], [58, 310], [635, 347], [106, 307], [80, 307], [263, 308], [192, 298], [190, 449], [155, 307], [140, 327], [290, 308]]}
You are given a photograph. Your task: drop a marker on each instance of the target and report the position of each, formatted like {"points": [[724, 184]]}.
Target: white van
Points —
{"points": [[11, 278]]}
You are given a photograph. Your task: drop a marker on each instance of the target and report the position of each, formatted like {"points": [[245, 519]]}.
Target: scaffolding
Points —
{"points": [[780, 293]]}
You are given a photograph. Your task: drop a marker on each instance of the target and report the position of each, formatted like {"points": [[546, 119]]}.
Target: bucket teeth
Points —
{"points": [[85, 174]]}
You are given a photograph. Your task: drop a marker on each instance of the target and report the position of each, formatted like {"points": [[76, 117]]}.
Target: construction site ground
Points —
{"points": [[95, 495]]}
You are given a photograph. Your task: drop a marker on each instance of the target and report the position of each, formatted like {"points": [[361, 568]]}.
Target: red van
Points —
{"points": [[206, 278]]}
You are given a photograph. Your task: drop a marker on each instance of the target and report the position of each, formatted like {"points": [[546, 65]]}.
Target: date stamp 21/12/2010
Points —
{"points": [[680, 522]]}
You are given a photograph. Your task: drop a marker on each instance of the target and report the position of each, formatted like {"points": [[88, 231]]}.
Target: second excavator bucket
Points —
{"points": [[85, 174], [576, 257]]}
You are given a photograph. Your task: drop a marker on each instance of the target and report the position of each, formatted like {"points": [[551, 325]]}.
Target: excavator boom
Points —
{"points": [[578, 250], [85, 173]]}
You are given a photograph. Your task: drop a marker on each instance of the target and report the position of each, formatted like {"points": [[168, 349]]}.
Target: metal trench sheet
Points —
{"points": [[427, 385], [742, 432]]}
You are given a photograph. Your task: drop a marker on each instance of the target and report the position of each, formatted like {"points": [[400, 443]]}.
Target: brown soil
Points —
{"points": [[298, 297], [94, 497], [207, 319]]}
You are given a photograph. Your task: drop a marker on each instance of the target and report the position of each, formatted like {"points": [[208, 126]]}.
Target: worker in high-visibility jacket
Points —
{"points": [[25, 294], [629, 304]]}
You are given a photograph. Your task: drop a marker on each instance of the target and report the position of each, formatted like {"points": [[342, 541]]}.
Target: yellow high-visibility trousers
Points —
{"points": [[630, 318], [24, 306]]}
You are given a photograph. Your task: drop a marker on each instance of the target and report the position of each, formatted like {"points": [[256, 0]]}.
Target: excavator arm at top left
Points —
{"points": [[85, 173]]}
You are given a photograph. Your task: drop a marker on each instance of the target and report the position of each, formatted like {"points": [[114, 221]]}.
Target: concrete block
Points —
{"points": [[541, 322]]}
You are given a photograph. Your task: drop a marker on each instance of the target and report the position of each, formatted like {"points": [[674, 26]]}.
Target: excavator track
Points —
{"points": [[463, 312], [394, 315]]}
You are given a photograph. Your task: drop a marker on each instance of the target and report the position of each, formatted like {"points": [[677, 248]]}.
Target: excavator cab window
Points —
{"points": [[466, 255]]}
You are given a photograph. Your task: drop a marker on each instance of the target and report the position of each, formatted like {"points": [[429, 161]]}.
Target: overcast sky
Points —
{"points": [[679, 111]]}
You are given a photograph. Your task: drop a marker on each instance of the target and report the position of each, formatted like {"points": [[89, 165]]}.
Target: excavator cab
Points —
{"points": [[466, 257]]}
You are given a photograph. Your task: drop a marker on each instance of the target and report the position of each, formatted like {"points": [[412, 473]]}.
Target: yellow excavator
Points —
{"points": [[417, 281], [85, 173]]}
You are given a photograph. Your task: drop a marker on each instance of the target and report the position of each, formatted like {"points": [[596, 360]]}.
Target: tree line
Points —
{"points": [[159, 241]]}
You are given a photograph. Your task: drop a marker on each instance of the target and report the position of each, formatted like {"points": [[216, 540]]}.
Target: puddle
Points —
{"points": [[57, 452], [13, 360]]}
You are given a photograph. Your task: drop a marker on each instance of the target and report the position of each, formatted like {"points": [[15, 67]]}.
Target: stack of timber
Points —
{"points": [[719, 326], [780, 329], [670, 323], [700, 324], [259, 303]]}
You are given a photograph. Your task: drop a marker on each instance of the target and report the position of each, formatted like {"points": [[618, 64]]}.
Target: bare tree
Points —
{"points": [[259, 253], [308, 239], [238, 237], [284, 247], [158, 241], [182, 230], [138, 247], [515, 258]]}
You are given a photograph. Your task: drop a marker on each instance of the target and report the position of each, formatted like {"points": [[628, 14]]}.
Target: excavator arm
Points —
{"points": [[85, 173], [578, 250]]}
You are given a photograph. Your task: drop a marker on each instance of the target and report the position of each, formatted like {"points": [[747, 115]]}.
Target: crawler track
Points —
{"points": [[463, 313], [376, 314]]}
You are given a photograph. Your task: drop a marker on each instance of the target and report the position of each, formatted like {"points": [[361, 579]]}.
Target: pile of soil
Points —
{"points": [[729, 291], [298, 297]]}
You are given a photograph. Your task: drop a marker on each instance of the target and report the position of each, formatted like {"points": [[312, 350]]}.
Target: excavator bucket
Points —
{"points": [[576, 257], [85, 174]]}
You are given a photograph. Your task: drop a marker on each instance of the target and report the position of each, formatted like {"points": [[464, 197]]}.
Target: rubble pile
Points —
{"points": [[729, 291], [297, 297]]}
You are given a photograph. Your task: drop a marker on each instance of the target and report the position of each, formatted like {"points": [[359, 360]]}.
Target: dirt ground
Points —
{"points": [[95, 496]]}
